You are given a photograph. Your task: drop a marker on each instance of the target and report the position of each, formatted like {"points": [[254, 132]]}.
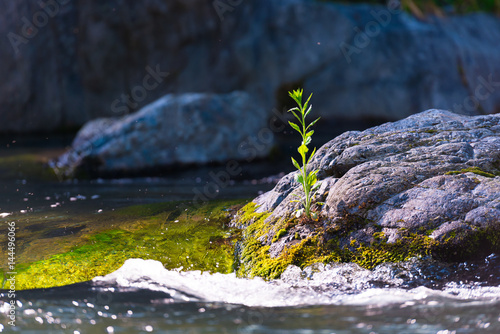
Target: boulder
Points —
{"points": [[172, 132], [70, 62], [425, 185]]}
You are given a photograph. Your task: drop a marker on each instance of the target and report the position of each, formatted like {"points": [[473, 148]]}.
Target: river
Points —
{"points": [[419, 296]]}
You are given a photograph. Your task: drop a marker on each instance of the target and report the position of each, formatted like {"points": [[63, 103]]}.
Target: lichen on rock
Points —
{"points": [[426, 185]]}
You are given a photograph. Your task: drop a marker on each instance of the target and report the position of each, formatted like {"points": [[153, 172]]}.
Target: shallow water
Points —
{"points": [[418, 296]]}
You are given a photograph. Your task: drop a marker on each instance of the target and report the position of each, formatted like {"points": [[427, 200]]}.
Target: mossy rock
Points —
{"points": [[253, 253], [337, 245], [193, 238]]}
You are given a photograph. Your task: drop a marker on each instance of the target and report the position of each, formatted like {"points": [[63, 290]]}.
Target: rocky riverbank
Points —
{"points": [[426, 185]]}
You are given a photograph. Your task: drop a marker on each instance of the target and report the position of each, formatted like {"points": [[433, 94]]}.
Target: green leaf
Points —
{"points": [[297, 117], [313, 122], [310, 133], [308, 110], [304, 106], [295, 163], [312, 179], [299, 178], [303, 150], [308, 140], [295, 126], [296, 95], [312, 155]]}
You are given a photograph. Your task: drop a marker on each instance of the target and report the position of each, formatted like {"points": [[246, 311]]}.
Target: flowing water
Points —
{"points": [[144, 297], [418, 296]]}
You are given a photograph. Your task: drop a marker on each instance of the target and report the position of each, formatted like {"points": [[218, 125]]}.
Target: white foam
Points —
{"points": [[325, 286]]}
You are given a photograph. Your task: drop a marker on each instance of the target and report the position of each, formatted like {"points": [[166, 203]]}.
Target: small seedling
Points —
{"points": [[309, 179]]}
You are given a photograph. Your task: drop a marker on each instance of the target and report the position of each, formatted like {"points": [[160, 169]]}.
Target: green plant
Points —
{"points": [[308, 179]]}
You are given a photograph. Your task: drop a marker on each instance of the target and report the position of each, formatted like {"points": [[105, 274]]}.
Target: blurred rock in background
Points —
{"points": [[68, 62]]}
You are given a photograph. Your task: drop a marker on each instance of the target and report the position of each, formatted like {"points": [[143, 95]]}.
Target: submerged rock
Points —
{"points": [[176, 129], [428, 184]]}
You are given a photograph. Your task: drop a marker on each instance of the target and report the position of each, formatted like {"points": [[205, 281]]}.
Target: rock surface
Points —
{"points": [[175, 130], [435, 175], [95, 59]]}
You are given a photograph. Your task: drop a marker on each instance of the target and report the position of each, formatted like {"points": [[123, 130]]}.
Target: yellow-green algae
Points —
{"points": [[321, 246], [195, 238]]}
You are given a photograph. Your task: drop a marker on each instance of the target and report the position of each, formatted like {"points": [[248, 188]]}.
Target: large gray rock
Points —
{"points": [[435, 174], [173, 131], [95, 59]]}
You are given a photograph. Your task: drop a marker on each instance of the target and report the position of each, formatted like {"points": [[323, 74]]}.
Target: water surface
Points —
{"points": [[419, 296]]}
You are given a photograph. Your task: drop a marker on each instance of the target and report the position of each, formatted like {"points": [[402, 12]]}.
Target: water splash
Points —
{"points": [[318, 284]]}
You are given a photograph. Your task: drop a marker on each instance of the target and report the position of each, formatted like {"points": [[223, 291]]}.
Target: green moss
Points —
{"points": [[255, 259], [279, 234], [370, 256], [195, 239], [475, 170], [254, 223]]}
